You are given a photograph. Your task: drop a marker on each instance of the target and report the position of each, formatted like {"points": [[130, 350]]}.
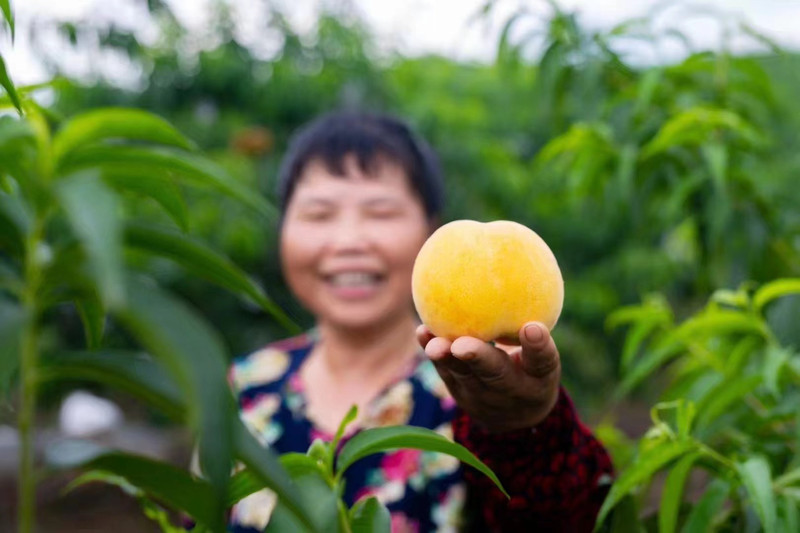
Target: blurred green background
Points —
{"points": [[653, 166], [642, 176]]}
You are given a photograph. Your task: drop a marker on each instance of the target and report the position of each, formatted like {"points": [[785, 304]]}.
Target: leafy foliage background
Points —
{"points": [[667, 192]]}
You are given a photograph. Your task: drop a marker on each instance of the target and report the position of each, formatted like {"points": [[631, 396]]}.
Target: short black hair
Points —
{"points": [[369, 137]]}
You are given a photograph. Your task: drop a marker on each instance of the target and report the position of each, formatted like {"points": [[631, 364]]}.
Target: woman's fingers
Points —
{"points": [[539, 355], [424, 335], [487, 363]]}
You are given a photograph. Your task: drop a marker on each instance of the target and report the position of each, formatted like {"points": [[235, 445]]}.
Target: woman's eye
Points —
{"points": [[384, 213], [316, 216]]}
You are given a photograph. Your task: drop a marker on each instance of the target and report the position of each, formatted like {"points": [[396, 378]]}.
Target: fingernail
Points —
{"points": [[533, 333], [464, 356]]}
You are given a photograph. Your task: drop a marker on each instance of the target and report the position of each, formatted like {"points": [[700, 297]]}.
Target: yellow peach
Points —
{"points": [[486, 280]]}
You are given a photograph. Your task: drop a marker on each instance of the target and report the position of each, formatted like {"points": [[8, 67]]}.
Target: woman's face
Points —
{"points": [[348, 244]]}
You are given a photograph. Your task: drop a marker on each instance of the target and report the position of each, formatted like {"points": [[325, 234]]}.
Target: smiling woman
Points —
{"points": [[359, 196]]}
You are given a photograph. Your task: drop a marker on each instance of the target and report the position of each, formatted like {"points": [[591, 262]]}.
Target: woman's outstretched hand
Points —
{"points": [[502, 387]]}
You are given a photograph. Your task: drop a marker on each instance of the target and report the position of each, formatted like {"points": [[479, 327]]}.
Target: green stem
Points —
{"points": [[29, 356], [343, 517]]}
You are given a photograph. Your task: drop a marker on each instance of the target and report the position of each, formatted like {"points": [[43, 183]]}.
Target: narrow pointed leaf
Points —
{"points": [[135, 373], [701, 517], [672, 494], [161, 189], [351, 415], [204, 262], [240, 486], [266, 467], [115, 123], [634, 340], [370, 516], [12, 319], [720, 398], [93, 316], [321, 503], [377, 440], [757, 479], [789, 517], [625, 518], [8, 15], [654, 358], [195, 357], [717, 322], [144, 378], [92, 209], [171, 485], [775, 289], [244, 483], [162, 162], [8, 85], [647, 464]]}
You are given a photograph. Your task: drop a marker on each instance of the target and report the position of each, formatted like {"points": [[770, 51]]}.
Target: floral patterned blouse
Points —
{"points": [[427, 491]]}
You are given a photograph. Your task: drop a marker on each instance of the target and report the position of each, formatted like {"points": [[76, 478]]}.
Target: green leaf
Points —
{"points": [[775, 289], [300, 464], [655, 308], [719, 322], [161, 189], [635, 338], [648, 84], [370, 516], [240, 486], [737, 298], [93, 316], [321, 452], [12, 320], [115, 123], [321, 502], [12, 226], [643, 468], [789, 516], [789, 478], [263, 464], [664, 351], [775, 360], [757, 479], [698, 125], [200, 260], [8, 15], [14, 130], [625, 517], [348, 419], [370, 441], [164, 482], [672, 493], [104, 477], [162, 162], [135, 373], [741, 353], [701, 517], [92, 209], [716, 156], [720, 398], [144, 378], [195, 357], [245, 482], [8, 85]]}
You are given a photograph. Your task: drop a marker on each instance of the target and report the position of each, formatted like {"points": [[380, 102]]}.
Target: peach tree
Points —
{"points": [[727, 417]]}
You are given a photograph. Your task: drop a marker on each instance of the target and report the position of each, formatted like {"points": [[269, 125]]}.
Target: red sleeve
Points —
{"points": [[557, 473]]}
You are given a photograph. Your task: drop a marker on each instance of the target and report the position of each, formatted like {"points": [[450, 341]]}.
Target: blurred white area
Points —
{"points": [[84, 415], [410, 27]]}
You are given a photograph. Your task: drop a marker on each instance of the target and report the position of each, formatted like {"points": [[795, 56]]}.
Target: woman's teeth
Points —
{"points": [[353, 279]]}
